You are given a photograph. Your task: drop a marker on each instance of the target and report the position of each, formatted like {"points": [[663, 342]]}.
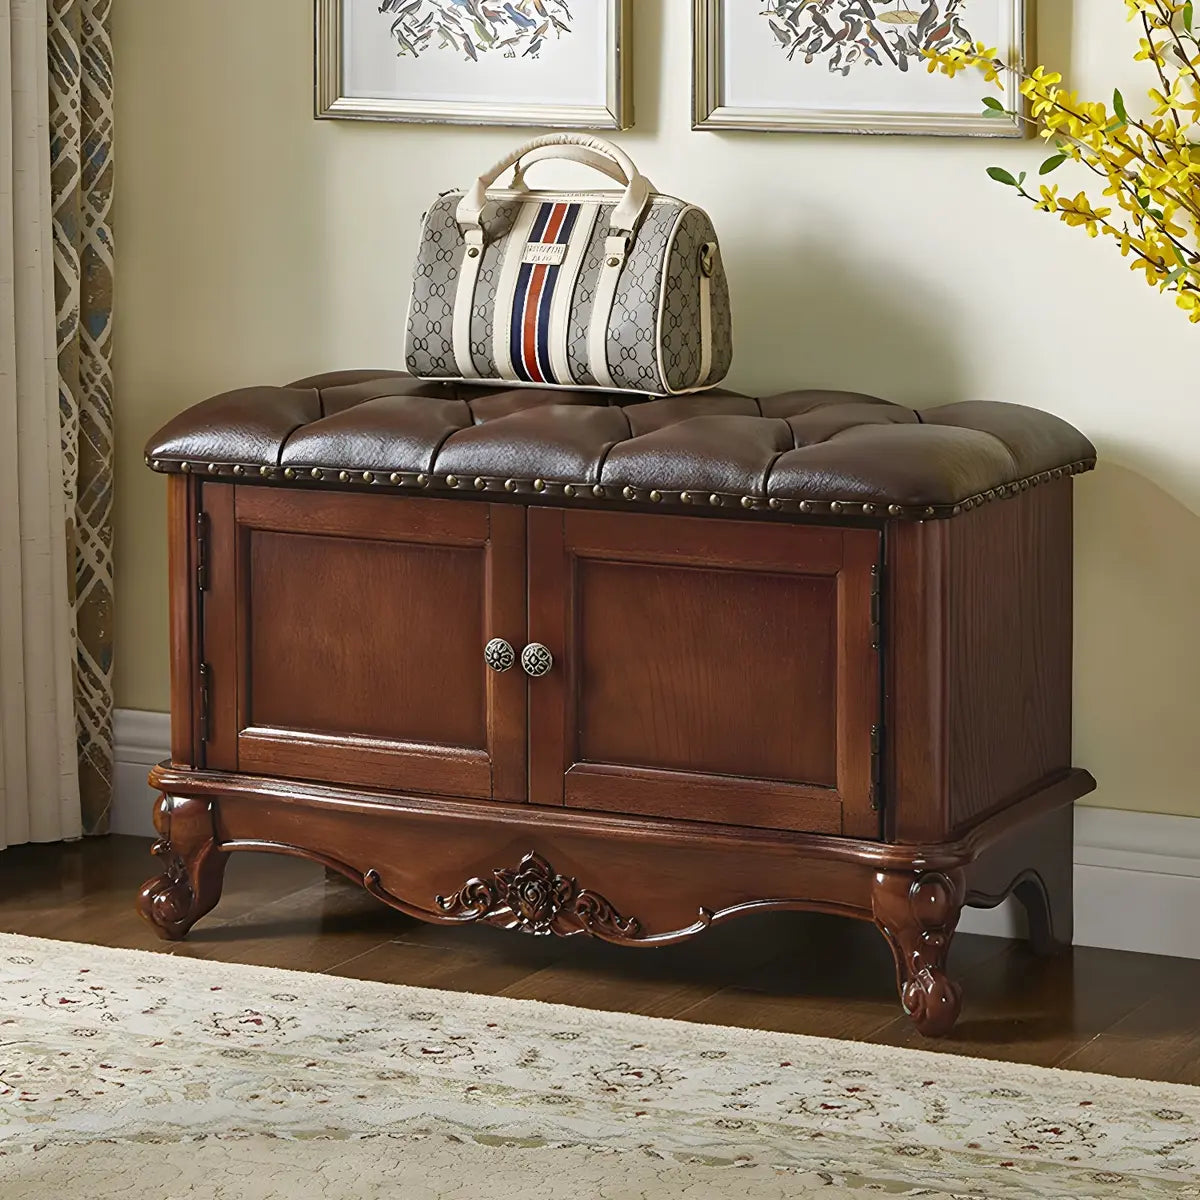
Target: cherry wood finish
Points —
{"points": [[979, 660], [314, 667], [710, 671], [741, 717]]}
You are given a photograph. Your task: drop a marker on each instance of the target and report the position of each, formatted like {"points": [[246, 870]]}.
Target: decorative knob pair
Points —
{"points": [[536, 659]]}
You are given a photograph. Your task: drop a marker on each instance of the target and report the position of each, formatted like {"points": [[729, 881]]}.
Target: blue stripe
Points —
{"points": [[516, 347]]}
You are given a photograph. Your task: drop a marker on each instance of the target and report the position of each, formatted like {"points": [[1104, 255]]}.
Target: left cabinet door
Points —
{"points": [[344, 636]]}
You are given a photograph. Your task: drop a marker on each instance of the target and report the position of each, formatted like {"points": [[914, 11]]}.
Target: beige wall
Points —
{"points": [[258, 245]]}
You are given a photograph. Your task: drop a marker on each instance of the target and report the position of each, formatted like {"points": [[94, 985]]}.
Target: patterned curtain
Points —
{"points": [[81, 182]]}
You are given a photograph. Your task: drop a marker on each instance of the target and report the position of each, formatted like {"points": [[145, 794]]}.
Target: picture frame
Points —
{"points": [[767, 103], [591, 87]]}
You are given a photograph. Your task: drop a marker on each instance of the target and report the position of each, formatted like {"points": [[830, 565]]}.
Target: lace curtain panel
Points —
{"points": [[55, 419]]}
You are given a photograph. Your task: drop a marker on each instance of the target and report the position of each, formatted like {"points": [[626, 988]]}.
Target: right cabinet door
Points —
{"points": [[705, 670]]}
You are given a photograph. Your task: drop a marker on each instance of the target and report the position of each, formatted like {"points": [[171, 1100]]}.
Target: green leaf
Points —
{"points": [[1000, 175], [993, 103], [1177, 274], [1052, 164], [1021, 178], [1119, 106], [1187, 16]]}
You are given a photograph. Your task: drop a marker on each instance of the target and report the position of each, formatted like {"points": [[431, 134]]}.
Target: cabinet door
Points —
{"points": [[705, 670], [345, 635]]}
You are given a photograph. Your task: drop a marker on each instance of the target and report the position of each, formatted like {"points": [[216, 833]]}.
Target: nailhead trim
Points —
{"points": [[551, 489]]}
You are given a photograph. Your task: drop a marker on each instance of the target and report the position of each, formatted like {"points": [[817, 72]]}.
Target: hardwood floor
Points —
{"points": [[1090, 1010]]}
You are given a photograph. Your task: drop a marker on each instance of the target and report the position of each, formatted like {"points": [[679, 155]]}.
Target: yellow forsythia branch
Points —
{"points": [[1148, 166]]}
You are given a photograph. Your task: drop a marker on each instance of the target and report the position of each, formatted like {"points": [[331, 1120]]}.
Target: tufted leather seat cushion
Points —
{"points": [[815, 452]]}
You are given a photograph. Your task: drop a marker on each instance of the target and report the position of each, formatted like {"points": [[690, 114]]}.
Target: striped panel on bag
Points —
{"points": [[539, 278]]}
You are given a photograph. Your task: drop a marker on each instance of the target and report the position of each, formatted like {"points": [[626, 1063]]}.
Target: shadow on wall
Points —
{"points": [[1137, 657], [839, 320]]}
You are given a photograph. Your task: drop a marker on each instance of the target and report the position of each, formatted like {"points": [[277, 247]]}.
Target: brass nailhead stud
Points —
{"points": [[452, 481], [265, 472], [894, 510], [747, 501], [214, 468], [185, 468], [480, 483], [835, 507], [473, 252], [422, 480], [510, 485], [539, 485], [239, 469], [569, 491], [629, 493], [774, 504], [147, 460], [156, 464], [805, 506], [931, 511], [614, 262], [344, 476], [289, 473], [368, 477], [868, 510], [599, 492], [396, 478], [685, 497], [655, 497], [715, 500], [316, 472]]}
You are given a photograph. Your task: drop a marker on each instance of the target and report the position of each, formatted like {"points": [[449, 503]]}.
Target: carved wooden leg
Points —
{"points": [[918, 913], [193, 867]]}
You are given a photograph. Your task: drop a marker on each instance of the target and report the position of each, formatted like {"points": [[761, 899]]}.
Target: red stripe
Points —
{"points": [[555, 224]]}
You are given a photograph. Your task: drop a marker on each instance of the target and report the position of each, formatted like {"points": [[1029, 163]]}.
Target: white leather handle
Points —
{"points": [[562, 145], [580, 154]]}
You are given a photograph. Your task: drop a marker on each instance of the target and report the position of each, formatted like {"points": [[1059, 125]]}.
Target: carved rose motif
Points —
{"points": [[533, 898]]}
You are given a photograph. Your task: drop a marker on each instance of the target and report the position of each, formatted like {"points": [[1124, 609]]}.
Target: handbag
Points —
{"points": [[618, 290]]}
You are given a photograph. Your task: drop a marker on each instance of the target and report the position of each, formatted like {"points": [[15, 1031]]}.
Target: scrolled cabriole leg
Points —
{"points": [[193, 867], [918, 912]]}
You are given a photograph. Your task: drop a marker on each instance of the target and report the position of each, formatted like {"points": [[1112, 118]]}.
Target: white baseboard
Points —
{"points": [[141, 740], [1137, 875]]}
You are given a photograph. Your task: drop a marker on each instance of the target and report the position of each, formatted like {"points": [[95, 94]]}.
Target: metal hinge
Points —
{"points": [[202, 529], [205, 700], [876, 608], [876, 767]]}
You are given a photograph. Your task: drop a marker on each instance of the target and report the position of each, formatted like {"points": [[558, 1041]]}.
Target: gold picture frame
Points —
{"points": [[710, 110], [333, 102]]}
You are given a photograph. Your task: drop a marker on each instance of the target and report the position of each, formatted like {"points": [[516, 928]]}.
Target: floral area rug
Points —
{"points": [[179, 1077]]}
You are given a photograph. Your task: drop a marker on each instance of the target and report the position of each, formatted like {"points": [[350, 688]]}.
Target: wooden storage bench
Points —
{"points": [[563, 664]]}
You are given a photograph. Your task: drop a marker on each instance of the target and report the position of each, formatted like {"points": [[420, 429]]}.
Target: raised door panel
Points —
{"points": [[355, 653], [705, 670]]}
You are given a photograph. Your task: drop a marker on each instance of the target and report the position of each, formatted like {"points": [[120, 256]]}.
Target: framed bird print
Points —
{"points": [[476, 62], [853, 66]]}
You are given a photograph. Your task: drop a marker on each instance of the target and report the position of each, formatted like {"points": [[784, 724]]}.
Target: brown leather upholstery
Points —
{"points": [[808, 451]]}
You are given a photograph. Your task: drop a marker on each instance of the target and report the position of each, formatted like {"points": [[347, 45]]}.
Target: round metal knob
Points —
{"points": [[499, 655], [537, 660]]}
